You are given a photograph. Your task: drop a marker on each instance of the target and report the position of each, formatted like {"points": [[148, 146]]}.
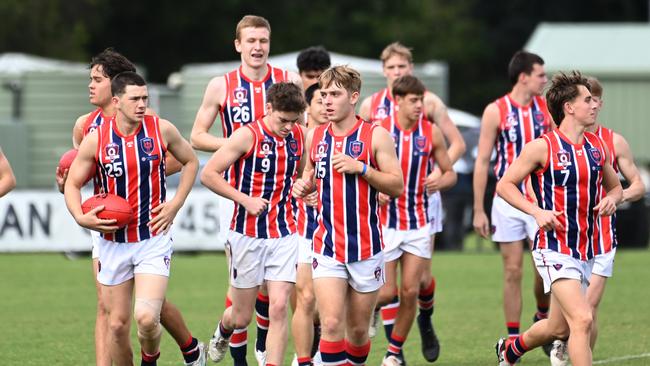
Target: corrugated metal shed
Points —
{"points": [[618, 54], [195, 77]]}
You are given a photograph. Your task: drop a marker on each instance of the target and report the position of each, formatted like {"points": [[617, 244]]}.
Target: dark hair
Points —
{"points": [[522, 61], [124, 79], [564, 88], [596, 87], [286, 97], [309, 93], [112, 63], [408, 84], [313, 59]]}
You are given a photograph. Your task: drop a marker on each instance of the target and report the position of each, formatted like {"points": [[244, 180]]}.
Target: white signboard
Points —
{"points": [[38, 220]]}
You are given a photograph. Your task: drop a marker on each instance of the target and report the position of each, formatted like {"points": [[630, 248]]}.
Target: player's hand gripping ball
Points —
{"points": [[115, 207]]}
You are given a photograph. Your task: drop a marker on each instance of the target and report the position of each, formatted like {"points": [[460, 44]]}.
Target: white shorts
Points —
{"points": [[510, 224], [604, 264], [553, 266], [94, 239], [305, 249], [435, 213], [416, 242], [254, 260], [119, 262], [364, 276]]}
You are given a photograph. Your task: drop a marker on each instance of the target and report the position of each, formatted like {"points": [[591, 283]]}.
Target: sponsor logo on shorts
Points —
{"points": [[377, 273], [314, 263], [557, 266], [234, 273], [167, 261]]}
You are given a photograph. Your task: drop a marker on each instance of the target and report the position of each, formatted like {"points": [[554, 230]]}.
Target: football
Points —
{"points": [[66, 161], [67, 158], [115, 207]]}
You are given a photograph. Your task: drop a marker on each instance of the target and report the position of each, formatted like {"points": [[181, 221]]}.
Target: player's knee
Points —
{"points": [[147, 314], [118, 326], [330, 325], [306, 299], [278, 309], [513, 273], [409, 292], [581, 322]]}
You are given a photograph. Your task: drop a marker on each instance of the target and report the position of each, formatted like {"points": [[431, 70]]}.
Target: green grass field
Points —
{"points": [[47, 309]]}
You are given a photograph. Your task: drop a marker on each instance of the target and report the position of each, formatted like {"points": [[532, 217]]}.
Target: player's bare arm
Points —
{"points": [[305, 184], [625, 162], [80, 169], [437, 112], [487, 137], [388, 179], [364, 110], [7, 178], [215, 94], [533, 157], [182, 151], [239, 143], [436, 182]]}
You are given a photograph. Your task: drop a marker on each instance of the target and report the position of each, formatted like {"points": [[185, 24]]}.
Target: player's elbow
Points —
{"points": [[396, 188], [195, 138], [502, 187]]}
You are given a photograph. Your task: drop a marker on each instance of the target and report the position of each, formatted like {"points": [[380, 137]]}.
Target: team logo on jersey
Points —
{"points": [[147, 145], [420, 142], [596, 156], [563, 159], [241, 94], [266, 147], [381, 112], [356, 147], [538, 117], [377, 273], [112, 151], [293, 146], [511, 120], [321, 150]]}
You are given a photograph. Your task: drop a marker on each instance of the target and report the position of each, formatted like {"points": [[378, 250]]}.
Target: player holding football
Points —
{"points": [[103, 67], [128, 151]]}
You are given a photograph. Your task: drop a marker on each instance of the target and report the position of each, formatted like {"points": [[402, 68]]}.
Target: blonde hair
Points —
{"points": [[396, 48], [342, 76], [251, 21]]}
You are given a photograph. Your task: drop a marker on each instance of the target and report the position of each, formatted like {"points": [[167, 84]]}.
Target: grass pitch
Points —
{"points": [[47, 310]]}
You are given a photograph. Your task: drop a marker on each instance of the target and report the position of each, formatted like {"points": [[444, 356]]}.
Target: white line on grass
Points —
{"points": [[622, 358]]}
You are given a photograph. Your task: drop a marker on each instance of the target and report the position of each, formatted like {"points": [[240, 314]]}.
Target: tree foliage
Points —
{"points": [[475, 37]]}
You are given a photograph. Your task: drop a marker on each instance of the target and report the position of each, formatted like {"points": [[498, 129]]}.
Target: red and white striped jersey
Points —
{"points": [[571, 182], [518, 126], [608, 223], [245, 100], [133, 167], [268, 170], [95, 119], [381, 106], [349, 229], [414, 149], [306, 218]]}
